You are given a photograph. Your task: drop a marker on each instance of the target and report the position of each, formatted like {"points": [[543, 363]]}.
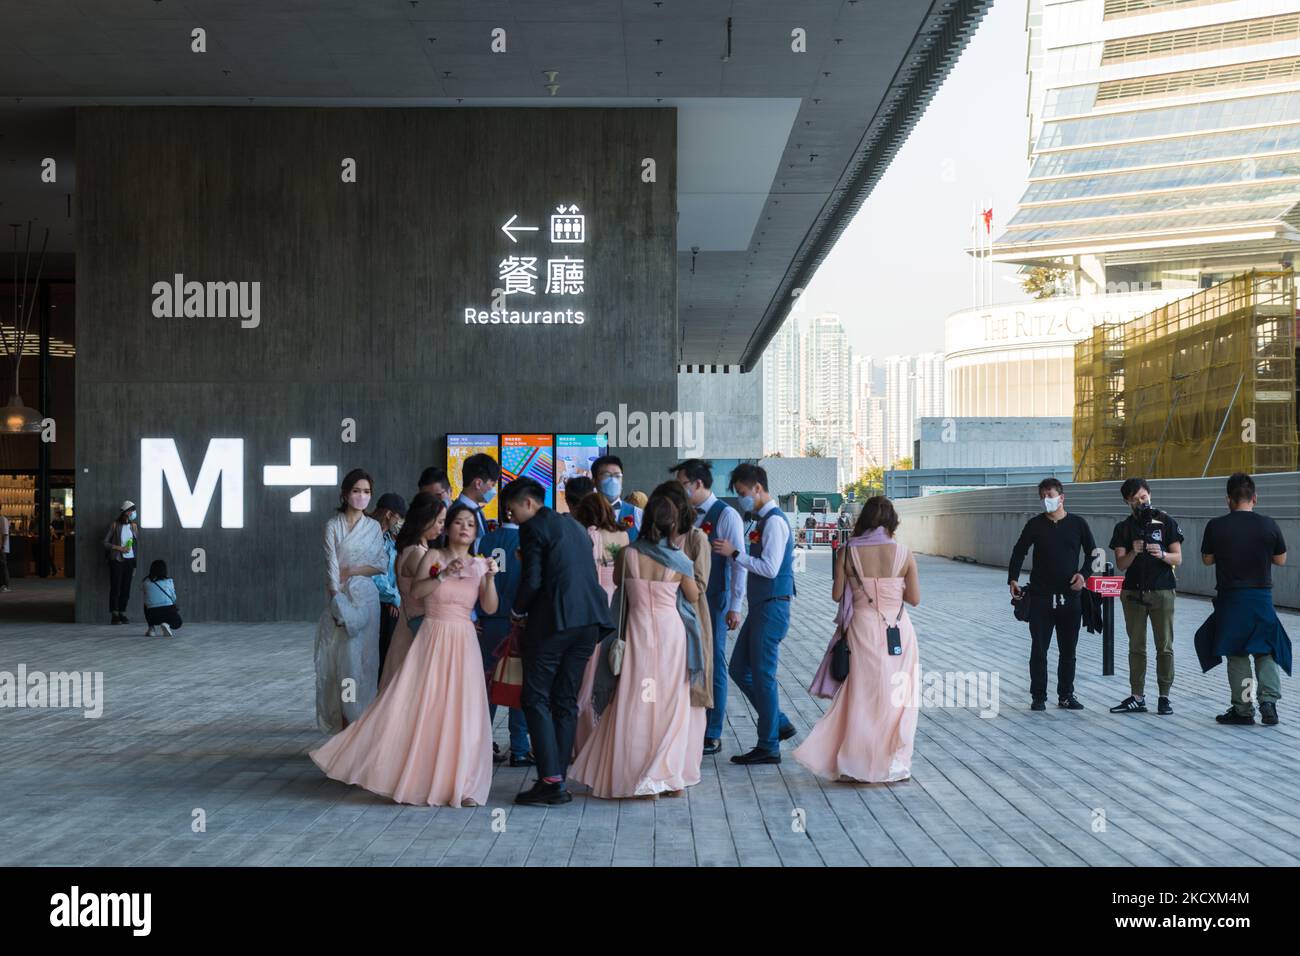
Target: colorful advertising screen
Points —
{"points": [[529, 455], [573, 457], [460, 447]]}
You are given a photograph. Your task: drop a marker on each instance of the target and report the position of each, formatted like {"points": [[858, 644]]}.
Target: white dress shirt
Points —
{"points": [[731, 529], [776, 532]]}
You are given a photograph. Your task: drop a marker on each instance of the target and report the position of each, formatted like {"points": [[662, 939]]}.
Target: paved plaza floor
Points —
{"points": [[214, 726]]}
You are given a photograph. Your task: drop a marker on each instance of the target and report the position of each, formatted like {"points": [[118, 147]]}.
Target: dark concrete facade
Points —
{"points": [[362, 298]]}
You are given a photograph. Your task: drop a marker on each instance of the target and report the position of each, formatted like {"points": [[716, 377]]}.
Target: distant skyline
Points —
{"points": [[900, 268]]}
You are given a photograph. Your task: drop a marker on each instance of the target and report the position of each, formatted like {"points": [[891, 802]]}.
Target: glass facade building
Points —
{"points": [[1164, 141]]}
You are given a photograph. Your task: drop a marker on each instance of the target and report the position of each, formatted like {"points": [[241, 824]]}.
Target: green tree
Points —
{"points": [[814, 451], [871, 482], [903, 464], [1043, 282]]}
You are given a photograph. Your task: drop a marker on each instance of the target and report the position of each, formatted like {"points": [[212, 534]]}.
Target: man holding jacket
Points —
{"points": [[1057, 577]]}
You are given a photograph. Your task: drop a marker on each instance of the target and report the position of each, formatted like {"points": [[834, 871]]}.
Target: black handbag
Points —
{"points": [[1020, 608], [840, 658]]}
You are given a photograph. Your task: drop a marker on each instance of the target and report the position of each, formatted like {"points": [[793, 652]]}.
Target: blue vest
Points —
{"points": [[759, 588], [719, 588], [511, 570], [628, 510]]}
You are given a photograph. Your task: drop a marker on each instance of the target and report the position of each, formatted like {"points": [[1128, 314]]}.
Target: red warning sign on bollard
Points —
{"points": [[1106, 585]]}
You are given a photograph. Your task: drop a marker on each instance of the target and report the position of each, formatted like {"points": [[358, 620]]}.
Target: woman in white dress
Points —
{"points": [[347, 635]]}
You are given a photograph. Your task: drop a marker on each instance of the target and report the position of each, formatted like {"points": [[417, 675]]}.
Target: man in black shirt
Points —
{"points": [[1244, 546], [1147, 546], [1055, 581]]}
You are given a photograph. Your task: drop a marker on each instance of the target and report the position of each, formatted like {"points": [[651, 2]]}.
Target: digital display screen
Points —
{"points": [[460, 447], [573, 457], [529, 455]]}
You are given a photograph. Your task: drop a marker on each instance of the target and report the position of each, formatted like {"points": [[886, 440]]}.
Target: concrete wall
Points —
{"points": [[994, 442], [984, 524], [363, 291], [731, 408]]}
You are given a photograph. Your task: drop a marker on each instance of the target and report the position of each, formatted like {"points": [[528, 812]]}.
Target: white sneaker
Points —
{"points": [[5, 588], [152, 632], [167, 629]]}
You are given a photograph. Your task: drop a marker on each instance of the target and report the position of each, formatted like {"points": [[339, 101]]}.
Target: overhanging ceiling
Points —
{"points": [[777, 148]]}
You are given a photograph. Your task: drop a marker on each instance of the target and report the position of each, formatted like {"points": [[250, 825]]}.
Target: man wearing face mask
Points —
{"points": [[478, 479], [1057, 577], [608, 472], [389, 513], [1147, 546], [435, 482], [769, 586], [726, 589]]}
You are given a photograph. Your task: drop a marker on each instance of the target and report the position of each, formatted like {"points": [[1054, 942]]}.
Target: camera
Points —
{"points": [[1150, 529]]}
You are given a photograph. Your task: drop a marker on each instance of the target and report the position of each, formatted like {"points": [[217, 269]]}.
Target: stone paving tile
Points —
{"points": [[219, 720]]}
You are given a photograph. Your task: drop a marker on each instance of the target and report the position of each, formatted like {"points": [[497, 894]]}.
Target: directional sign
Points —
{"points": [[510, 228]]}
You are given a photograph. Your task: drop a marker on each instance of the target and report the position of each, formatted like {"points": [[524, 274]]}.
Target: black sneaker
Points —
{"points": [[1230, 716], [1038, 705], [712, 745], [1131, 705], [1164, 707], [1070, 703], [117, 619], [1268, 713]]}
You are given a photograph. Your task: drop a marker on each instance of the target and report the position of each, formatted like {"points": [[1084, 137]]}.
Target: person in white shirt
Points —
{"points": [[769, 565], [120, 543], [726, 589]]}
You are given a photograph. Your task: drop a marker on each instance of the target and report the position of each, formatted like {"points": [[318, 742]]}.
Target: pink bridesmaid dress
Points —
{"points": [[587, 716], [426, 739], [400, 643], [644, 742], [866, 734]]}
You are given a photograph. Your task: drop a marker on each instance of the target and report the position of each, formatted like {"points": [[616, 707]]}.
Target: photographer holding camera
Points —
{"points": [[1147, 546]]}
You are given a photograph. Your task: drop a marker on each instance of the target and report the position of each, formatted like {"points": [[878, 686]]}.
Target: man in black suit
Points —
{"points": [[567, 613]]}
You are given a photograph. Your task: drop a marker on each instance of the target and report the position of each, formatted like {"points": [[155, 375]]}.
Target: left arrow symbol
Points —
{"points": [[510, 228]]}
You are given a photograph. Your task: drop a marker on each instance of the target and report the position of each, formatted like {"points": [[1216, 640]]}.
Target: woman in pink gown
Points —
{"points": [[644, 744], [424, 522], [426, 739], [607, 541], [867, 733]]}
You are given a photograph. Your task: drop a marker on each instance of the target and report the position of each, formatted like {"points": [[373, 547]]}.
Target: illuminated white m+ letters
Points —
{"points": [[160, 460]]}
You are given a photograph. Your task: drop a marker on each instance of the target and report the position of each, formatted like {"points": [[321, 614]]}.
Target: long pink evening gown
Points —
{"points": [[866, 734], [426, 739], [643, 743], [402, 636], [604, 571]]}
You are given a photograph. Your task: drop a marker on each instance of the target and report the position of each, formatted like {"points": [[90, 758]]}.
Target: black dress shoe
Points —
{"points": [[117, 618], [756, 756], [787, 733], [712, 745], [548, 794], [1230, 716], [527, 760], [497, 755]]}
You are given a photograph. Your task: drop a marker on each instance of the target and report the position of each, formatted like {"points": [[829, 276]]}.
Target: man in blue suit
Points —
{"points": [[501, 542], [769, 565], [726, 590], [608, 472]]}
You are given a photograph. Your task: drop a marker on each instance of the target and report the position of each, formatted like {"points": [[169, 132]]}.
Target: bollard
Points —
{"points": [[1107, 587]]}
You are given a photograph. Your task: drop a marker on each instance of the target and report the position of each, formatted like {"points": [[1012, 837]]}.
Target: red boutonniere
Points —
{"points": [[492, 525], [755, 537], [519, 555], [433, 570], [628, 521], [707, 527]]}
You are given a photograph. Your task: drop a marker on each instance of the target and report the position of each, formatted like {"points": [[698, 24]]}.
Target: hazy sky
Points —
{"points": [[900, 267]]}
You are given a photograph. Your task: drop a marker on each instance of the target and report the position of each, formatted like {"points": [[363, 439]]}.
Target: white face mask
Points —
{"points": [[1050, 504]]}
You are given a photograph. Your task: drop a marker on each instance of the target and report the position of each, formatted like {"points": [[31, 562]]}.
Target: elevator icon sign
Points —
{"points": [[568, 225]]}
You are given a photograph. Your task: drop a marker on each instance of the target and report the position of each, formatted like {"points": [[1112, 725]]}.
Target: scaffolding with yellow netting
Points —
{"points": [[1209, 381], [1099, 405]]}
